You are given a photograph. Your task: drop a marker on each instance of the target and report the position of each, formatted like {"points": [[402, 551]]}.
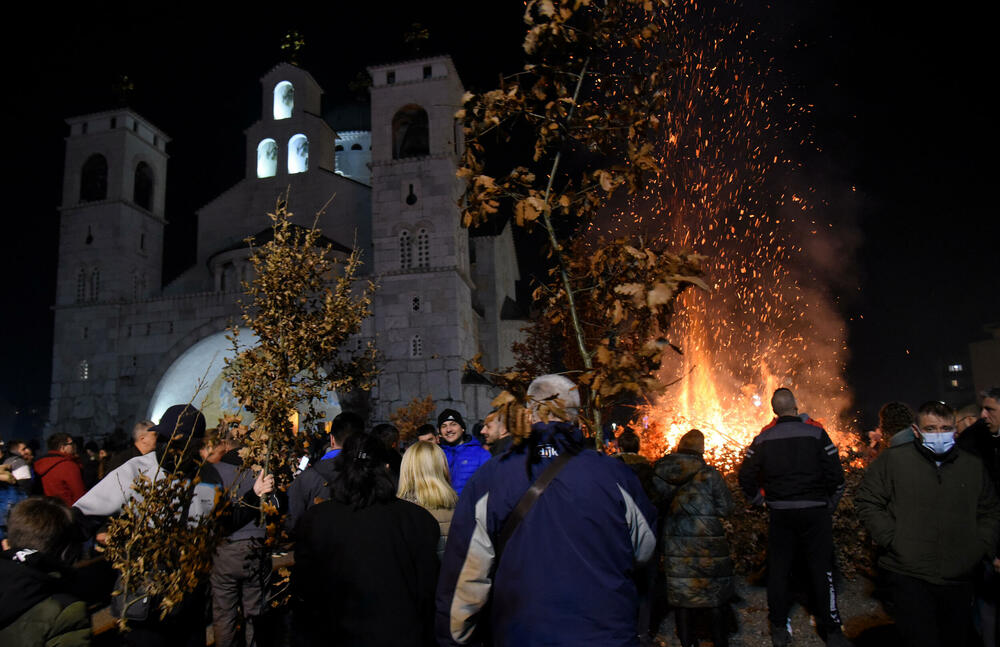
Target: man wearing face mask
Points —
{"points": [[931, 505]]}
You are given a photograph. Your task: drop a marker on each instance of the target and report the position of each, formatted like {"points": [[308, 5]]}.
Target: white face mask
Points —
{"points": [[939, 442]]}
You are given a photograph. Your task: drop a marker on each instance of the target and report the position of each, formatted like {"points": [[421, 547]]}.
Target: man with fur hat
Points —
{"points": [[464, 454], [578, 542]]}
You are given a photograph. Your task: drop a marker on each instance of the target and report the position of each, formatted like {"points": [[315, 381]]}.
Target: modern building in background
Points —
{"points": [[126, 346]]}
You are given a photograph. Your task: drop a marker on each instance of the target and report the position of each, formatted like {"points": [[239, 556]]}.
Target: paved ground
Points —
{"points": [[864, 621]]}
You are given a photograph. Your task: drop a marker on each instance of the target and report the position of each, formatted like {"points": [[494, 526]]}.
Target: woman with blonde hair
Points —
{"points": [[424, 480]]}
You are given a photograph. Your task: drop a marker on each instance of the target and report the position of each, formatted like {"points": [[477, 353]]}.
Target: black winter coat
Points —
{"points": [[366, 577], [696, 557]]}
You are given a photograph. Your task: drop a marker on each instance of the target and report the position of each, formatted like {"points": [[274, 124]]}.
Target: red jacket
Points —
{"points": [[61, 476]]}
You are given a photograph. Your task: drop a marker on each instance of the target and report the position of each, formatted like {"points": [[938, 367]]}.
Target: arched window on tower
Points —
{"points": [[416, 347], [142, 191], [423, 248], [267, 158], [284, 100], [83, 370], [410, 133], [94, 179], [405, 250], [95, 284], [298, 154], [81, 286]]}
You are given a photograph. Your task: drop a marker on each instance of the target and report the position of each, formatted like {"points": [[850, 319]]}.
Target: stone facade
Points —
{"points": [[118, 332]]}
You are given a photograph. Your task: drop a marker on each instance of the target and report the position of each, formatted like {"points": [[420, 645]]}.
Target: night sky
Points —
{"points": [[900, 114]]}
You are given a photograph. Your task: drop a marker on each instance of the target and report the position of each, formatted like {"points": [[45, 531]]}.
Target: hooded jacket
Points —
{"points": [[464, 459], [34, 610], [564, 575], [61, 476], [936, 521], [696, 556]]}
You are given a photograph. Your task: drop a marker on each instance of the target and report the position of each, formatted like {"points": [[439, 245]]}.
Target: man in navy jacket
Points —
{"points": [[564, 575]]}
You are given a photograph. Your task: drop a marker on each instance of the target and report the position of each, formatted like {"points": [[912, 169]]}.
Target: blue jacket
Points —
{"points": [[564, 576], [463, 461]]}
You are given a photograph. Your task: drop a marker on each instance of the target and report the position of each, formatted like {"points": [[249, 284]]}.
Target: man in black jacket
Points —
{"points": [[313, 484], [794, 468]]}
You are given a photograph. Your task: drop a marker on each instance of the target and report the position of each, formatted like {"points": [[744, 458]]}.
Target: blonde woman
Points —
{"points": [[424, 480]]}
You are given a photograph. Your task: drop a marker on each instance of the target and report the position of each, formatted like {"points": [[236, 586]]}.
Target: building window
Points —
{"points": [[405, 250], [410, 133], [83, 371], [411, 197], [415, 304], [114, 122], [267, 158], [356, 147], [83, 128], [81, 286], [298, 154], [416, 347], [142, 241], [95, 284], [135, 126], [423, 248], [284, 100], [427, 71], [339, 148], [94, 179], [954, 368], [85, 332], [954, 384], [142, 190], [390, 77]]}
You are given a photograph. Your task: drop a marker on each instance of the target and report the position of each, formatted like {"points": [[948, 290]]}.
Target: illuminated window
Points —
{"points": [[267, 158], [410, 133], [94, 179], [142, 191], [405, 250], [954, 368], [298, 154], [83, 371], [284, 100], [423, 249], [954, 384], [416, 347]]}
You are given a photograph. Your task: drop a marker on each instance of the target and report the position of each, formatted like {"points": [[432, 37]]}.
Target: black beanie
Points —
{"points": [[451, 414]]}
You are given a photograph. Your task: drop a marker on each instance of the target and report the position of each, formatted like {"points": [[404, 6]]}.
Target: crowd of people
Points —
{"points": [[521, 534]]}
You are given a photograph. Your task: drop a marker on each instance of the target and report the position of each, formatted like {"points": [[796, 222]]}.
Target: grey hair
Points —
{"points": [[140, 428], [548, 387], [993, 393]]}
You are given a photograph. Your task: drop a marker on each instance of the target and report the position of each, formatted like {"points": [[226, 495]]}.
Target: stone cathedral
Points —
{"points": [[126, 346]]}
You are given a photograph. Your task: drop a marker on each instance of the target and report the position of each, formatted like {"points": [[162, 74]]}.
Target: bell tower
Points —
{"points": [[110, 254], [428, 326]]}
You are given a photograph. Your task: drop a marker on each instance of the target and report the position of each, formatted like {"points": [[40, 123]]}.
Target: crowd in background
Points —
{"points": [[517, 534]]}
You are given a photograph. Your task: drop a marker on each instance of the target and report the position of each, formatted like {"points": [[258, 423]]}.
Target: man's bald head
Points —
{"points": [[783, 403]]}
